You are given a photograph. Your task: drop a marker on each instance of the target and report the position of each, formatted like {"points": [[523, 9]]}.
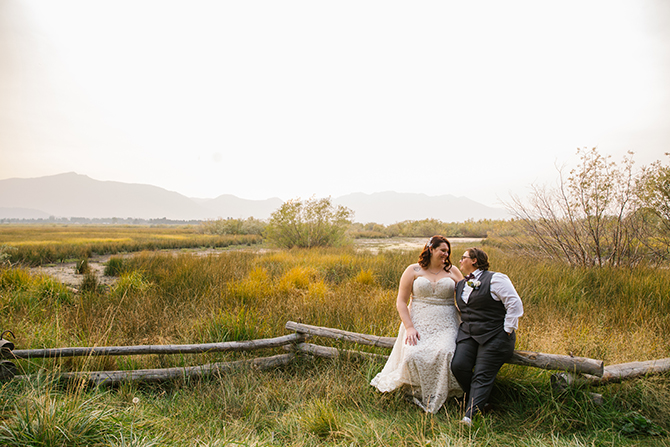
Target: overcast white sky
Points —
{"points": [[297, 98]]}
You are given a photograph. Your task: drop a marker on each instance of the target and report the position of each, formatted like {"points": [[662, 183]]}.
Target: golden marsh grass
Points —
{"points": [[617, 315]]}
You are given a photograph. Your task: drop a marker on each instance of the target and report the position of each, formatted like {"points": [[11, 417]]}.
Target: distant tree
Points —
{"points": [[309, 223], [358, 230], [653, 193], [233, 226], [589, 218]]}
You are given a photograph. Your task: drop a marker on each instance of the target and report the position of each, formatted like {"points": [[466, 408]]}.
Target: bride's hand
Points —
{"points": [[412, 337]]}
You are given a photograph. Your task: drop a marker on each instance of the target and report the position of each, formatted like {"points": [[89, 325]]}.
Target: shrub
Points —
{"points": [[55, 420], [115, 267], [365, 277], [298, 278], [256, 285], [15, 279], [310, 223], [89, 283], [82, 267], [4, 254], [233, 326], [320, 418], [52, 290], [130, 282]]}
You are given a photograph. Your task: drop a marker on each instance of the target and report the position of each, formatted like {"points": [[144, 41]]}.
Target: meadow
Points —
{"points": [[614, 314], [42, 244]]}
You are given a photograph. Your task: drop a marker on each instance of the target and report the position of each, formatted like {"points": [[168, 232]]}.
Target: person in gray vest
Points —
{"points": [[490, 309]]}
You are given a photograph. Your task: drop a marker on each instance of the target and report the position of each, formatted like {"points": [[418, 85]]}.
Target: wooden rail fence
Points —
{"points": [[574, 369]]}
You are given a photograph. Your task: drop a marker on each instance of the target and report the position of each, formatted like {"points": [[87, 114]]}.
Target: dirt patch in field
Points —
{"points": [[67, 274], [406, 243]]}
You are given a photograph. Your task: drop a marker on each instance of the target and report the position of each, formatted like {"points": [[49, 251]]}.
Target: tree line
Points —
{"points": [[317, 222], [600, 213]]}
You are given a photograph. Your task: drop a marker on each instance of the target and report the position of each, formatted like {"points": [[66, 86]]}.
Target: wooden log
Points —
{"points": [[152, 375], [523, 358], [615, 373], [578, 365], [6, 348], [6, 345], [333, 353], [7, 370], [338, 334], [158, 349]]}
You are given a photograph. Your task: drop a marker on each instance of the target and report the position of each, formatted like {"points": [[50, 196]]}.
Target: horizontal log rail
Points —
{"points": [[613, 373], [631, 370], [149, 375], [334, 353], [338, 334], [578, 365], [248, 345], [576, 369]]}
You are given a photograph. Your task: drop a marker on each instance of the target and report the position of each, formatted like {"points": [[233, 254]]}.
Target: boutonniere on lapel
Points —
{"points": [[474, 283]]}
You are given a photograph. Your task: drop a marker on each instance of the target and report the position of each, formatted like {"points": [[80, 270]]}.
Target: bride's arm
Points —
{"points": [[455, 273], [404, 293]]}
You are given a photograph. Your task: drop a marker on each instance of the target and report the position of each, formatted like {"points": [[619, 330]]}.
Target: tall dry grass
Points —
{"points": [[41, 244], [616, 315]]}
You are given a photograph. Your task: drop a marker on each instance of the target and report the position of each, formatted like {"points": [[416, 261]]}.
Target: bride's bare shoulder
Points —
{"points": [[416, 268], [412, 270]]}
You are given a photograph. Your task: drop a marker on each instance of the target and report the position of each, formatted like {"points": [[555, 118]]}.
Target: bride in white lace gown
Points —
{"points": [[421, 356]]}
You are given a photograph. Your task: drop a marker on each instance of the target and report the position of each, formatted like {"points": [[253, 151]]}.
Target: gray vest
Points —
{"points": [[482, 317]]}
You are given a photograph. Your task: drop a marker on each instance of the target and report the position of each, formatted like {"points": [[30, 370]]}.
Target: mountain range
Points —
{"points": [[72, 195]]}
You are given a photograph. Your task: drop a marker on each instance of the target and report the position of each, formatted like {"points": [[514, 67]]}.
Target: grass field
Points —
{"points": [[43, 244], [616, 315]]}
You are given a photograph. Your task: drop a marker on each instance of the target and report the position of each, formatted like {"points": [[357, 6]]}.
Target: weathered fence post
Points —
{"points": [[7, 369]]}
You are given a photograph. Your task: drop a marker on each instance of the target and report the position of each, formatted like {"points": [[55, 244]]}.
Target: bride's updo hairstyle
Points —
{"points": [[434, 242]]}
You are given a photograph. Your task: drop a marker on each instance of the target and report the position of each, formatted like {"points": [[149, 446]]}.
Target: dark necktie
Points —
{"points": [[469, 277]]}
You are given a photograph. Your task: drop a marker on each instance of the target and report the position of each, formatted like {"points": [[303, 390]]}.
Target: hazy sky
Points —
{"points": [[287, 99]]}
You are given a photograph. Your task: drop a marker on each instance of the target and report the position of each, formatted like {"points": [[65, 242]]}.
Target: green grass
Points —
{"points": [[40, 244], [617, 315], [327, 403]]}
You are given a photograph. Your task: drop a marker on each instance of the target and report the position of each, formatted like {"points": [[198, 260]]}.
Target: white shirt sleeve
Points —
{"points": [[503, 290]]}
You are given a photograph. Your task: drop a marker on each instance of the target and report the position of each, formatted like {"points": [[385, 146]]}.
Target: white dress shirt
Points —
{"points": [[501, 290]]}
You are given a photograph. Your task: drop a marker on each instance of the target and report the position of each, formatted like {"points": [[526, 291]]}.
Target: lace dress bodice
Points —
{"points": [[426, 366], [439, 292]]}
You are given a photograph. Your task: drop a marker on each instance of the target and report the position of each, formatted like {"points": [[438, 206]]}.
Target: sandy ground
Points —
{"points": [[66, 273], [405, 243]]}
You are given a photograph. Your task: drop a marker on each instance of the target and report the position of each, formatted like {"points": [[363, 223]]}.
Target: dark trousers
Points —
{"points": [[475, 367]]}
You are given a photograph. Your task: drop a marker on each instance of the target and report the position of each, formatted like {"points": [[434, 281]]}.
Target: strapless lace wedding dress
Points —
{"points": [[426, 367]]}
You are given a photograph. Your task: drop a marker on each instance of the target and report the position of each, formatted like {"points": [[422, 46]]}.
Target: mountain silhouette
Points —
{"points": [[390, 207], [74, 195]]}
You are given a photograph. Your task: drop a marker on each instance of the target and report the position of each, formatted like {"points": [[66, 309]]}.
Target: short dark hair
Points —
{"points": [[434, 242], [480, 257]]}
